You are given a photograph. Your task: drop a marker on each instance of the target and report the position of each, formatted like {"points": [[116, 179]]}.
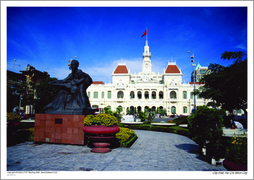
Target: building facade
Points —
{"points": [[146, 89], [201, 71]]}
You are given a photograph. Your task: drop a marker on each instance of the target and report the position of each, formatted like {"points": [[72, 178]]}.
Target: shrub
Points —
{"points": [[180, 120], [206, 124], [142, 115], [100, 119], [13, 117], [124, 135]]}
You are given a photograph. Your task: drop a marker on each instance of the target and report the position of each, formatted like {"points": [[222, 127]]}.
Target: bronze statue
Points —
{"points": [[72, 98]]}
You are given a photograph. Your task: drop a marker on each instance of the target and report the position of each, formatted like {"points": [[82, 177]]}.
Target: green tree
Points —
{"points": [[128, 110], [142, 115], [107, 110], [13, 96], [45, 93], [206, 124], [227, 86], [150, 114]]}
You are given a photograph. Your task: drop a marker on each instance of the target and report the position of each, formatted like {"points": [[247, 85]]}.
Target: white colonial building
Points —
{"points": [[146, 89]]}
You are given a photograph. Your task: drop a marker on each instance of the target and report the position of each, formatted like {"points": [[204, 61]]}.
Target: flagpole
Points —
{"points": [[146, 34]]}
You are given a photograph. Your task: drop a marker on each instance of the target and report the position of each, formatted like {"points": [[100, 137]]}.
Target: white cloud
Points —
{"points": [[59, 73], [241, 46], [103, 72]]}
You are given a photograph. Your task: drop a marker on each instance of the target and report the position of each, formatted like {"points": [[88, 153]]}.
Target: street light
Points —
{"points": [[194, 77], [14, 64]]}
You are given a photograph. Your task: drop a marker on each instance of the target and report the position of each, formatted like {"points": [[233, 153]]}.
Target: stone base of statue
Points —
{"points": [[59, 128]]}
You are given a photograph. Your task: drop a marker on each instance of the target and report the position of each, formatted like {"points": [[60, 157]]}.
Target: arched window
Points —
{"points": [[184, 95], [173, 110], [153, 95], [95, 95], [132, 95], [146, 95], [109, 94], [88, 94], [153, 108], [146, 108], [160, 95], [191, 95], [132, 108], [139, 95], [139, 108], [172, 95], [95, 106], [184, 109], [120, 94]]}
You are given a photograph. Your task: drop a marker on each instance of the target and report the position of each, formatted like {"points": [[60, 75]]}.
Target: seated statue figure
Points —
{"points": [[72, 98]]}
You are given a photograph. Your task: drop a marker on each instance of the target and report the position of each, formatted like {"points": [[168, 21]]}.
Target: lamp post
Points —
{"points": [[194, 77], [20, 98], [14, 64]]}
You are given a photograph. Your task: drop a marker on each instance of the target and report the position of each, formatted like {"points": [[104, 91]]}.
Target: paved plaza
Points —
{"points": [[152, 151]]}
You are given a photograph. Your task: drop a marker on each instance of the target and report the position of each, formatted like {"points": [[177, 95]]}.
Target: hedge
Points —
{"points": [[172, 129]]}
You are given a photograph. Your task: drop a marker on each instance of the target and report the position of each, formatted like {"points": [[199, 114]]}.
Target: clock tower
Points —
{"points": [[147, 66]]}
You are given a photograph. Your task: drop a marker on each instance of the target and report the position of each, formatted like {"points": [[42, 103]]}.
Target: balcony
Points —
{"points": [[147, 54], [173, 99]]}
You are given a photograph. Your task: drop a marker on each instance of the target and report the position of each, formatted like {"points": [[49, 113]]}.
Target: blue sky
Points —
{"points": [[100, 37]]}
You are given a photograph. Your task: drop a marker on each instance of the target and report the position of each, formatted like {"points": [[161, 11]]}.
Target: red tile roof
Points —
{"points": [[98, 82], [121, 69], [172, 69], [197, 83]]}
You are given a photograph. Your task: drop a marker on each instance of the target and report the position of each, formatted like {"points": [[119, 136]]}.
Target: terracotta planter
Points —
{"points": [[233, 166], [101, 137], [101, 130]]}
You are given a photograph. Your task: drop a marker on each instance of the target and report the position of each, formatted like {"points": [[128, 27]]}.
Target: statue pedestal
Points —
{"points": [[59, 128]]}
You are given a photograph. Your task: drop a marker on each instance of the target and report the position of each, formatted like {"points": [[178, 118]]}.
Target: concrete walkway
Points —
{"points": [[152, 151]]}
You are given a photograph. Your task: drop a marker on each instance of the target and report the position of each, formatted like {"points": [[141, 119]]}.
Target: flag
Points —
{"points": [[145, 33]]}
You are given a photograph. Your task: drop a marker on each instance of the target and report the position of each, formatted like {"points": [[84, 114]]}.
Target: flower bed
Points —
{"points": [[126, 137], [13, 117], [237, 150]]}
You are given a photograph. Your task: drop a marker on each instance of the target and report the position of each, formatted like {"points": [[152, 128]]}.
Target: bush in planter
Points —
{"points": [[100, 119], [205, 124]]}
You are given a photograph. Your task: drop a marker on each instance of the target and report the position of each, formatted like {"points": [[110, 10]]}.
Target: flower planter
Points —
{"points": [[101, 136], [101, 130], [233, 166], [215, 151]]}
